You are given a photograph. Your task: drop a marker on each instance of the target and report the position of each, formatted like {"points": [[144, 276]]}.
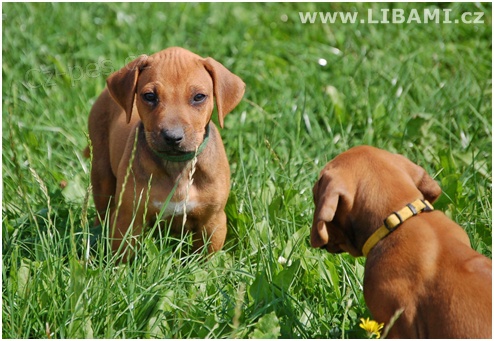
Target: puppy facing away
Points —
{"points": [[156, 151], [418, 259]]}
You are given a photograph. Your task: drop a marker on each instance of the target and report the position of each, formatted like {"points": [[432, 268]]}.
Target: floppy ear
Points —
{"points": [[328, 192], [122, 84], [424, 182], [228, 88]]}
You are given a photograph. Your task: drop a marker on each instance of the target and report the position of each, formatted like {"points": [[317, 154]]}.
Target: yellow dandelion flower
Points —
{"points": [[371, 327]]}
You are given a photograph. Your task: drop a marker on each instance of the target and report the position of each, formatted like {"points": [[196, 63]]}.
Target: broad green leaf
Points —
{"points": [[268, 327]]}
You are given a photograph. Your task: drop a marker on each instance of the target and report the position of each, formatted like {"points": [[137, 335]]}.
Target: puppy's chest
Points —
{"points": [[175, 208], [184, 201]]}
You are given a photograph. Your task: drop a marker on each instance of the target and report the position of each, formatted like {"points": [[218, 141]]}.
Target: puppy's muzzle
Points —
{"points": [[173, 137]]}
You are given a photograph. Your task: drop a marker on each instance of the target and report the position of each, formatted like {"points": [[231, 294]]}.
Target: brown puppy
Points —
{"points": [[146, 129], [424, 266]]}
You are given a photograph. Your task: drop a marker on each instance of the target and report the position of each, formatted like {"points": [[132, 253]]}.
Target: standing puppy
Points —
{"points": [[418, 260], [151, 134]]}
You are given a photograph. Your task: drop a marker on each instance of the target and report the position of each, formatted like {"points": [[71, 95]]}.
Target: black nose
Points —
{"points": [[173, 137]]}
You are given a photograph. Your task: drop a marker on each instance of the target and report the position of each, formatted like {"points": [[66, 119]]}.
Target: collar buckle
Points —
{"points": [[391, 226], [394, 220]]}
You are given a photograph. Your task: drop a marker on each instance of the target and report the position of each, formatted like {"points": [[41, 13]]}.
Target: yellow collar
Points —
{"points": [[395, 220]]}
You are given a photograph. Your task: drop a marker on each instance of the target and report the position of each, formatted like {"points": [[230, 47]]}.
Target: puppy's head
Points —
{"points": [[173, 92], [357, 190]]}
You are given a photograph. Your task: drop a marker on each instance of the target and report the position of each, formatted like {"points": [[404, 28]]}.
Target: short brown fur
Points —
{"points": [[426, 266], [122, 123]]}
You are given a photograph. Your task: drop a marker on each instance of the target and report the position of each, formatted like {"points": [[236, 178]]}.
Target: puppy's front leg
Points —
{"points": [[213, 232], [125, 227]]}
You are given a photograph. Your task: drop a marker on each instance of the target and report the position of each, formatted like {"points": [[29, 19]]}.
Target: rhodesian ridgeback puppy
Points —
{"points": [[156, 152], [418, 260]]}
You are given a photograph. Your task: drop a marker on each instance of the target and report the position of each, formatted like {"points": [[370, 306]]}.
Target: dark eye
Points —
{"points": [[150, 97], [199, 98]]}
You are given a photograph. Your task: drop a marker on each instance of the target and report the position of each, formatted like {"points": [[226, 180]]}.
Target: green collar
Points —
{"points": [[187, 156]]}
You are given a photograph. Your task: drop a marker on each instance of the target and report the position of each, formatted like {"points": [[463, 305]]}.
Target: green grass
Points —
{"points": [[423, 90]]}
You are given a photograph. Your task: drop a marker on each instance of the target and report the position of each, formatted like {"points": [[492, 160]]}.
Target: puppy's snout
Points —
{"points": [[173, 137]]}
